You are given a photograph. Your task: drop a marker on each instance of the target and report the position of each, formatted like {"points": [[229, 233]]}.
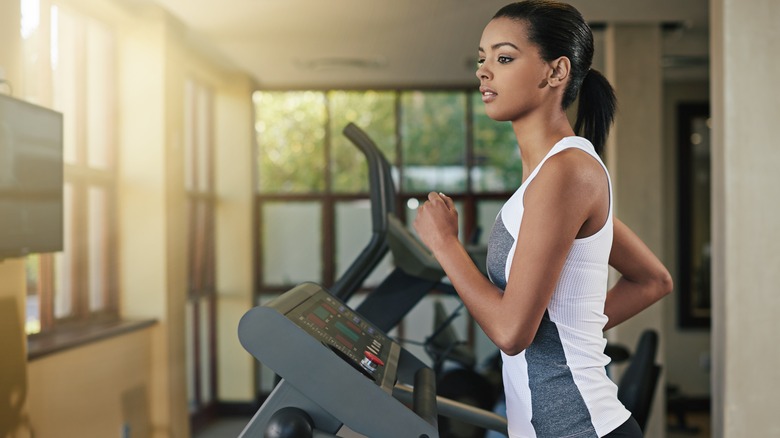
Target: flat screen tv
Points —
{"points": [[31, 141]]}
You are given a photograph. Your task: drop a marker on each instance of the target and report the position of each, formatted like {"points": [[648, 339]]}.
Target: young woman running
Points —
{"points": [[546, 304]]}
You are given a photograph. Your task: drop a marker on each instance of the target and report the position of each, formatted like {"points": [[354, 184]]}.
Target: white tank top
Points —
{"points": [[558, 386]]}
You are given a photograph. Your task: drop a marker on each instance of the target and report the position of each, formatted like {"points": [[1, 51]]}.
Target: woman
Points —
{"points": [[546, 302]]}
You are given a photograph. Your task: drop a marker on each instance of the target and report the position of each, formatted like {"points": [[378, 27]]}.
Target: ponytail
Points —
{"points": [[558, 29], [596, 109]]}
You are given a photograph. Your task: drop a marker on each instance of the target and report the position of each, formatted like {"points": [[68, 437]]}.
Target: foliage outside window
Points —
{"points": [[496, 153], [433, 134], [374, 111], [292, 128], [313, 186]]}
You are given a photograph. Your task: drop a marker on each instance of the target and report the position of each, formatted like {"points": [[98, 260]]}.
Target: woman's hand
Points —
{"points": [[437, 221]]}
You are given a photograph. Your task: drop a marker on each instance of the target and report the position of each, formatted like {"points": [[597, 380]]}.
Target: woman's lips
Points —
{"points": [[488, 95]]}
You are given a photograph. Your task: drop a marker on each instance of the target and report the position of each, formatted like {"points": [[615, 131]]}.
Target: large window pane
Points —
{"points": [[372, 111], [98, 242], [67, 37], [290, 133], [353, 232], [69, 65], [203, 139], [189, 350], [64, 269], [33, 304], [190, 122], [100, 77], [292, 243], [206, 353], [433, 131], [497, 165]]}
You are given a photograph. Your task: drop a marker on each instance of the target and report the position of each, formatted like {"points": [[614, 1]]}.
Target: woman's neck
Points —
{"points": [[537, 134]]}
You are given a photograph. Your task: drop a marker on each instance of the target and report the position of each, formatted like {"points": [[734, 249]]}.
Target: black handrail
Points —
{"points": [[382, 194]]}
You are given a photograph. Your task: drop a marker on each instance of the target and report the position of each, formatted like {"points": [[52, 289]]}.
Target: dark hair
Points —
{"points": [[558, 29]]}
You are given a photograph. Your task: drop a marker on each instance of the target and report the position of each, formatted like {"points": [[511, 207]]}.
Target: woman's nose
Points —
{"points": [[483, 72]]}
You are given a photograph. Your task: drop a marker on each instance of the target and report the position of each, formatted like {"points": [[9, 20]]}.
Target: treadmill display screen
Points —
{"points": [[353, 339]]}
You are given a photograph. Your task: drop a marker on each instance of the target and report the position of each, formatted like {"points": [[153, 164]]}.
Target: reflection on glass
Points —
{"points": [[290, 131], [292, 243], [433, 132], [373, 112], [497, 166]]}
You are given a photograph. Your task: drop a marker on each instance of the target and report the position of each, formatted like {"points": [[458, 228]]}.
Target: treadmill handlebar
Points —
{"points": [[381, 187], [457, 410], [382, 194]]}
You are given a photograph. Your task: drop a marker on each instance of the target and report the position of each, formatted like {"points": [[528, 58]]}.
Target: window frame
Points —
{"points": [[201, 201], [79, 175], [328, 199]]}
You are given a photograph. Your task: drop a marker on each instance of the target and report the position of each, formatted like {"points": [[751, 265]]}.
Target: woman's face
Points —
{"points": [[512, 74]]}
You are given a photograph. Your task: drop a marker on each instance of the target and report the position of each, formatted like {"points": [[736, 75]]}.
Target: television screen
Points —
{"points": [[31, 217]]}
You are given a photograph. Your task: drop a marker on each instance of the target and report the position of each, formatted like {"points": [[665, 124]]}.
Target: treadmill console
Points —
{"points": [[337, 368], [345, 332]]}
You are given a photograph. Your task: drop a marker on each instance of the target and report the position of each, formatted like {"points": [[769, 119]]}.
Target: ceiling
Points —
{"points": [[289, 44]]}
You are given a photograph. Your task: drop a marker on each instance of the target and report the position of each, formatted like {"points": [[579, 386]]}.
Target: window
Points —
{"points": [[69, 65], [313, 211], [201, 205]]}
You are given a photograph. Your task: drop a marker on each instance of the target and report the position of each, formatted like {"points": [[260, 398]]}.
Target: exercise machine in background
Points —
{"points": [[416, 271]]}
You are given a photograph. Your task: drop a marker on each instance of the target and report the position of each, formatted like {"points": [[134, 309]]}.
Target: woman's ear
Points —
{"points": [[559, 71]]}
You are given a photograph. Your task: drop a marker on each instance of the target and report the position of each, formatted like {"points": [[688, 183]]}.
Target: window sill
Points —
{"points": [[44, 344]]}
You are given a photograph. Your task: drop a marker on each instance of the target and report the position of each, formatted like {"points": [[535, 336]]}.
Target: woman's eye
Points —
{"points": [[480, 62], [504, 59]]}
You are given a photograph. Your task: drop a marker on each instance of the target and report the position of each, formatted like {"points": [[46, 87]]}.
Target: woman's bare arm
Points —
{"points": [[644, 279], [557, 203]]}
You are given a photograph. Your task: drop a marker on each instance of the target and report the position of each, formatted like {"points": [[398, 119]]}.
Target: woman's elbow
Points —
{"points": [[512, 350], [514, 345], [663, 284]]}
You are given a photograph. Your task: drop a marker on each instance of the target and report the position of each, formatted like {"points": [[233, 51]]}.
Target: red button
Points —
{"points": [[373, 358]]}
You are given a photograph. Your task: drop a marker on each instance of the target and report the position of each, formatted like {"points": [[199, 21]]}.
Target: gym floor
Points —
{"points": [[697, 426], [228, 427]]}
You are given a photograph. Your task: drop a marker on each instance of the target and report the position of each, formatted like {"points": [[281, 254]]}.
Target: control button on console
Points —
{"points": [[371, 361]]}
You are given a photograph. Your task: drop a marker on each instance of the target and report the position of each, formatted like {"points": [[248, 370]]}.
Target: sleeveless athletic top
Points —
{"points": [[558, 386]]}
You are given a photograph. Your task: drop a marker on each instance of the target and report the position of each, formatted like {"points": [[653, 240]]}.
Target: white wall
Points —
{"points": [[745, 37]]}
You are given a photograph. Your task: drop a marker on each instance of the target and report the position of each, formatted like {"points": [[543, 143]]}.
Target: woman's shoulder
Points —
{"points": [[571, 170], [574, 141]]}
